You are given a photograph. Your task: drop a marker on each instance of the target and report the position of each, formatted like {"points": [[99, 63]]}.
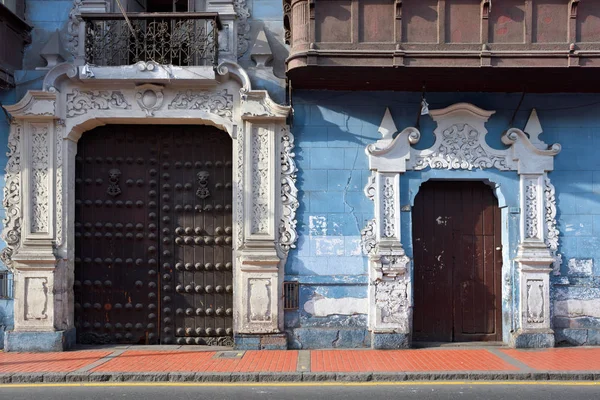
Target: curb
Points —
{"points": [[190, 377]]}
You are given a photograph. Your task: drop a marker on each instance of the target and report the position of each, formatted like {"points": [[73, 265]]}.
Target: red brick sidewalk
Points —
{"points": [[417, 360]]}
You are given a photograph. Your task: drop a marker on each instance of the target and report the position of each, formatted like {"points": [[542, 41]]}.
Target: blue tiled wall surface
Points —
{"points": [[332, 130]]}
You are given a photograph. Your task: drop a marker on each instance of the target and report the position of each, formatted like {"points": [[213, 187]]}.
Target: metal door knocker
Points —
{"points": [[202, 191], [113, 177]]}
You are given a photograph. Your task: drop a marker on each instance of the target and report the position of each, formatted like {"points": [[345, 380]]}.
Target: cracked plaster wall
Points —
{"points": [[332, 130]]}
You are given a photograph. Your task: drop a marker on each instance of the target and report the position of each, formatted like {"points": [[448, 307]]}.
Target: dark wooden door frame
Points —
{"points": [[446, 271]]}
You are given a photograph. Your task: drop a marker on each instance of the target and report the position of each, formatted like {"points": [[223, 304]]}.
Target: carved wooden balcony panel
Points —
{"points": [[14, 36], [184, 39], [450, 34]]}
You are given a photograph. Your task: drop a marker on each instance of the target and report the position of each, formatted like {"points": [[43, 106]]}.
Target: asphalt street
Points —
{"points": [[359, 391]]}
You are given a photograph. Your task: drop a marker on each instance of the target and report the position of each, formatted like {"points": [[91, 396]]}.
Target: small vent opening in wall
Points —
{"points": [[290, 295]]}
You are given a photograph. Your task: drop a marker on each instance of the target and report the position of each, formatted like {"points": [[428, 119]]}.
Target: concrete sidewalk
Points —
{"points": [[201, 364]]}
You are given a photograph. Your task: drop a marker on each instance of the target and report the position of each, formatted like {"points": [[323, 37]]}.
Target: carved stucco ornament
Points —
{"points": [[219, 103], [289, 193], [243, 26], [80, 102], [460, 144], [552, 232], [150, 98], [368, 241], [11, 233]]}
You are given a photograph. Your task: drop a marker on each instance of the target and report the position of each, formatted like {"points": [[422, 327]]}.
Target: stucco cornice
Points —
{"points": [[36, 104]]}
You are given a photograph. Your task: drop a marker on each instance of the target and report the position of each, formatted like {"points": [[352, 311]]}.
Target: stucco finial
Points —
{"points": [[261, 51], [387, 127], [53, 51], [533, 128]]}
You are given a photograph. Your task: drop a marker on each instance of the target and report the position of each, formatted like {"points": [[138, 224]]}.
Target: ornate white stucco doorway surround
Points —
{"points": [[40, 182], [459, 145]]}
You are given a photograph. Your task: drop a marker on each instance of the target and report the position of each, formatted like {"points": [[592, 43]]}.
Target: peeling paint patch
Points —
{"points": [[325, 306], [577, 308], [353, 246], [330, 246], [317, 225], [580, 267]]}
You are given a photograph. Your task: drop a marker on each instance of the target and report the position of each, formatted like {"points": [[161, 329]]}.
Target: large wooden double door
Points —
{"points": [[458, 263], [153, 235]]}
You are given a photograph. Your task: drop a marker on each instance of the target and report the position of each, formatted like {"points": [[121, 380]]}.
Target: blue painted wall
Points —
{"points": [[332, 130]]}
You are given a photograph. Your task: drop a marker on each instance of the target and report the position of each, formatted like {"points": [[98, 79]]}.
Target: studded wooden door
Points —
{"points": [[458, 263], [153, 235]]}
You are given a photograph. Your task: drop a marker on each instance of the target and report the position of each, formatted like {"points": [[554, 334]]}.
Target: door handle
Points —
{"points": [[499, 248]]}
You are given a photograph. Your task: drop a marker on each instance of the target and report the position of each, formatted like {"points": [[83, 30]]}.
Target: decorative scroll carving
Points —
{"points": [[368, 240], [287, 15], [531, 205], [461, 147], [202, 192], [552, 232], [11, 233], [113, 178], [389, 208], [239, 196], [370, 189], [79, 102], [243, 26], [260, 181], [36, 298], [259, 299], [535, 301], [219, 103], [39, 179], [59, 134], [73, 27], [289, 193]]}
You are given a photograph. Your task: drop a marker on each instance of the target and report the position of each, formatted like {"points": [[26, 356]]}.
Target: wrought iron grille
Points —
{"points": [[291, 294], [184, 39]]}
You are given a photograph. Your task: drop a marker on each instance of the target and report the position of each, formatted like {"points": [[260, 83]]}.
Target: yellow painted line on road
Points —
{"points": [[300, 384]]}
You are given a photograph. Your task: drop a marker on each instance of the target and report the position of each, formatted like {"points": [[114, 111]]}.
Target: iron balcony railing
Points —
{"points": [[184, 39]]}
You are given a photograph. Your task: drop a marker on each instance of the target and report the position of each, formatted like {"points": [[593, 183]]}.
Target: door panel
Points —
{"points": [[458, 263], [153, 235], [196, 238]]}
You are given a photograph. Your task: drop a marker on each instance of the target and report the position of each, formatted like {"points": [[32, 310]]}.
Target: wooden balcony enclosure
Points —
{"points": [[482, 45]]}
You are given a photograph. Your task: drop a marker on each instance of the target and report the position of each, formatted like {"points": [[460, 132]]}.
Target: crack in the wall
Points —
{"points": [[346, 188], [335, 341]]}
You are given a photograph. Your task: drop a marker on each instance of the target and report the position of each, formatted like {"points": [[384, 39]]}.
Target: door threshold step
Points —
{"points": [[470, 345]]}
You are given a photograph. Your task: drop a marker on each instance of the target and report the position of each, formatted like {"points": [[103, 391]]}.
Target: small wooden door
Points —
{"points": [[458, 263]]}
